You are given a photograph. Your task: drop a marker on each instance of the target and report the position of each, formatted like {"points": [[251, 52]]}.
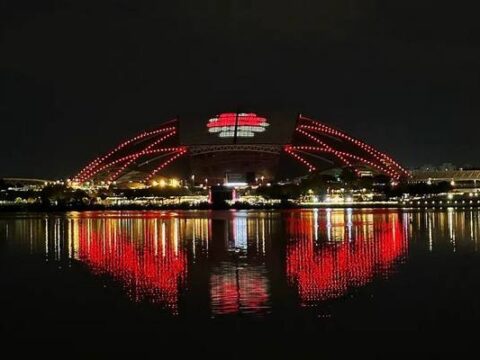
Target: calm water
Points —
{"points": [[220, 282]]}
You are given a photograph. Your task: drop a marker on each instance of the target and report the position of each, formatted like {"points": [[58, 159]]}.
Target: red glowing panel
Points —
{"points": [[245, 124]]}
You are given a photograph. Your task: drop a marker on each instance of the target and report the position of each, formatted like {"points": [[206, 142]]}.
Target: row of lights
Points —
{"points": [[156, 151], [182, 150], [150, 152], [94, 170], [433, 202], [324, 128], [343, 154], [394, 175], [382, 160], [288, 150], [99, 160], [141, 153], [339, 155], [377, 154], [345, 161]]}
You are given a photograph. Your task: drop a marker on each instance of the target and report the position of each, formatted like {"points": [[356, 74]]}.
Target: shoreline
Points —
{"points": [[289, 206]]}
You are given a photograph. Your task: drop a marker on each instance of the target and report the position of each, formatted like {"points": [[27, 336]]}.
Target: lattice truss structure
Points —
{"points": [[137, 159], [315, 142]]}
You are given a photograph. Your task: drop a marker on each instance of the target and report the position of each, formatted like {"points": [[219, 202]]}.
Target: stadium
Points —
{"points": [[235, 149]]}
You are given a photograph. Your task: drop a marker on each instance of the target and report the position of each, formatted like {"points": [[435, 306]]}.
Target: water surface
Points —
{"points": [[203, 274]]}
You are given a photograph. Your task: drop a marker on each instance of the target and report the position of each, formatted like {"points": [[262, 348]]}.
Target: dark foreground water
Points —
{"points": [[246, 284]]}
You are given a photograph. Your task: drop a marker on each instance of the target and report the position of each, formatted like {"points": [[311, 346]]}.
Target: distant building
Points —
{"points": [[457, 178]]}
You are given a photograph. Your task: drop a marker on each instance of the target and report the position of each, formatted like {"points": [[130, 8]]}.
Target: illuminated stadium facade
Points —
{"points": [[233, 156]]}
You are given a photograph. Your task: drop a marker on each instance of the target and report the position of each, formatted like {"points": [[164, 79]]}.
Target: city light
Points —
{"points": [[235, 184]]}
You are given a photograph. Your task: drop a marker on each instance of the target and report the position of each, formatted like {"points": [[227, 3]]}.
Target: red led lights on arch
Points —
{"points": [[148, 147], [341, 148]]}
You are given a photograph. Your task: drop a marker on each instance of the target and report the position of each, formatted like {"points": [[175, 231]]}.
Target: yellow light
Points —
{"points": [[174, 183], [162, 183], [154, 183]]}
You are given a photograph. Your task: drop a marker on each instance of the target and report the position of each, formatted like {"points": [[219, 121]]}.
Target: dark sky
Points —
{"points": [[78, 76]]}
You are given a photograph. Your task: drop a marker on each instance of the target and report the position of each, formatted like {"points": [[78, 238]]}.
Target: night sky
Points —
{"points": [[78, 76]]}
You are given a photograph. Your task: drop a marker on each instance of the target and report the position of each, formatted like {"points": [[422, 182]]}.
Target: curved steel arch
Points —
{"points": [[125, 154], [347, 150]]}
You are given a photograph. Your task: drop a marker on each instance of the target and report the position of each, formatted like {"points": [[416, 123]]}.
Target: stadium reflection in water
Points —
{"points": [[327, 257], [238, 262]]}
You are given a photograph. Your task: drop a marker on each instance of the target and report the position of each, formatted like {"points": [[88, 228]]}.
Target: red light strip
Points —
{"points": [[125, 158], [376, 156], [134, 156], [336, 153], [87, 175], [374, 152], [181, 151], [99, 160], [230, 119], [149, 147], [391, 173], [289, 150]]}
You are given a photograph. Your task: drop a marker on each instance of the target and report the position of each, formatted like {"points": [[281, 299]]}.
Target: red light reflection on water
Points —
{"points": [[359, 252], [242, 290], [239, 283], [149, 264], [328, 254]]}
